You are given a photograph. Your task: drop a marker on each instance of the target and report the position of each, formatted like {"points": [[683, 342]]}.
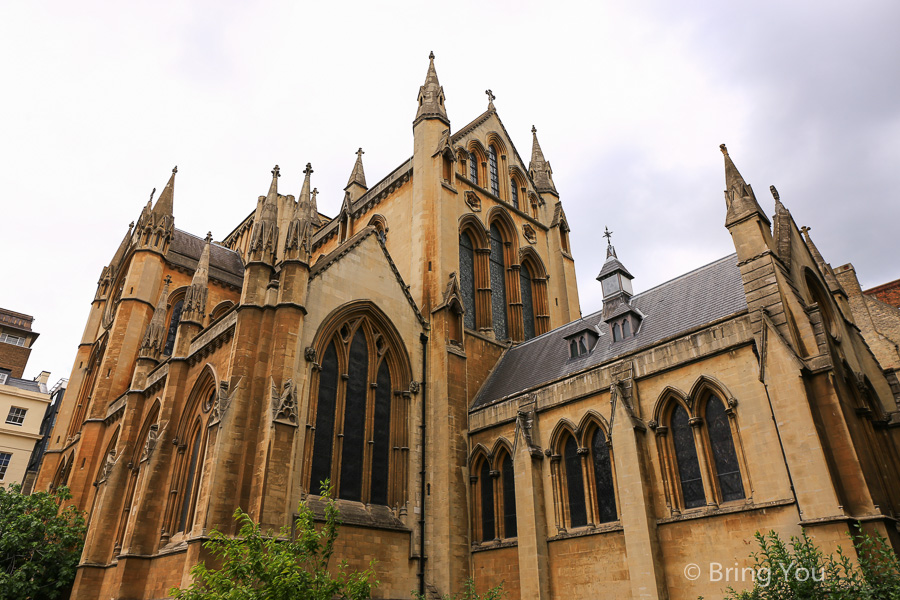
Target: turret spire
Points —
{"points": [[539, 167], [298, 241], [431, 97], [156, 225], [264, 235], [154, 337], [739, 197], [165, 203], [358, 176], [194, 307]]}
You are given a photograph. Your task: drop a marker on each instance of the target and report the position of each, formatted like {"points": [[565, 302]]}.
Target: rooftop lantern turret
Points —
{"points": [[623, 319]]}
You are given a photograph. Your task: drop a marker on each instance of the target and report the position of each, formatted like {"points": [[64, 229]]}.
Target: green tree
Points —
{"points": [[40, 545], [468, 593], [261, 566], [800, 571]]}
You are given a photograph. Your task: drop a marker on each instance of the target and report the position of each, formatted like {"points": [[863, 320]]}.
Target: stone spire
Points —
{"points": [[824, 267], [155, 336], [358, 176], [539, 168], [264, 236], [194, 308], [431, 97], [782, 230], [156, 225], [123, 249], [298, 241], [165, 203], [739, 197]]}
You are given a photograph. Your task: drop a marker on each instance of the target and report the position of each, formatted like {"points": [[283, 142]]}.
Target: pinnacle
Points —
{"points": [[166, 201], [431, 97], [358, 176]]}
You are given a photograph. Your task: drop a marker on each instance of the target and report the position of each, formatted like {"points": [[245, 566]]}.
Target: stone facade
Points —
{"points": [[422, 350]]}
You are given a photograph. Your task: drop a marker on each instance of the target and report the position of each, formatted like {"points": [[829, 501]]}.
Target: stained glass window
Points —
{"points": [[355, 419], [487, 501], [509, 497], [173, 328], [467, 277], [606, 493], [328, 379], [574, 483], [686, 457], [724, 456], [515, 193], [492, 162], [527, 302], [188, 489], [498, 285], [382, 438], [473, 169]]}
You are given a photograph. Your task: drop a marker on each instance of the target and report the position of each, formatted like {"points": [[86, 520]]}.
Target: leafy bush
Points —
{"points": [[40, 545], [801, 571], [468, 593], [261, 566]]}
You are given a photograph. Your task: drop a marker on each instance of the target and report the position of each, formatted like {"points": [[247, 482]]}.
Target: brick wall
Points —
{"points": [[889, 293], [13, 358]]}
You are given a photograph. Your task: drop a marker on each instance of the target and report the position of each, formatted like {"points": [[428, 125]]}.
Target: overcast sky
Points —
{"points": [[631, 101]]}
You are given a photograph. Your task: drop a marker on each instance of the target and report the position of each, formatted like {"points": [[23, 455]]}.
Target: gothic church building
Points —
{"points": [[424, 350]]}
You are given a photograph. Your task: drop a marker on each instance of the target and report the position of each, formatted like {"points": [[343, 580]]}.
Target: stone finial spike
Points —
{"points": [[174, 169], [491, 98], [304, 191], [358, 175], [539, 167], [732, 175], [154, 337], [165, 203], [152, 193], [273, 187], [209, 237], [777, 196], [431, 97], [724, 149], [431, 55]]}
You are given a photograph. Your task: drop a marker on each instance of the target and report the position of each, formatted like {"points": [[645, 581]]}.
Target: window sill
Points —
{"points": [[731, 507], [588, 530], [495, 544], [357, 514]]}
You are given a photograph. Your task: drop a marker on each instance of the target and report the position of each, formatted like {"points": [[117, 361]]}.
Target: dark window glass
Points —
{"points": [[616, 333], [487, 501], [173, 328], [382, 448], [727, 470], [606, 493], [498, 284], [188, 490], [626, 328], [467, 277], [582, 348], [509, 497], [573, 348], [515, 193], [527, 302], [686, 457], [574, 483], [355, 419], [492, 161], [328, 379], [473, 169]]}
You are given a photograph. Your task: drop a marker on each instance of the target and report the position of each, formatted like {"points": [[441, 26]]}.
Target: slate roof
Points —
{"points": [[694, 299], [612, 265], [26, 384], [224, 264]]}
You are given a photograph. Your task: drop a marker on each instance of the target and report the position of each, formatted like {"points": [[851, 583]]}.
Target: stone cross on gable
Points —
{"points": [[276, 172], [309, 168], [805, 229], [175, 170], [533, 129], [168, 279], [359, 153], [490, 96], [208, 237]]}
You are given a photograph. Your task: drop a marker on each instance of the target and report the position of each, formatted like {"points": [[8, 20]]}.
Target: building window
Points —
{"points": [[492, 162], [574, 483], [527, 301], [12, 339], [728, 472], [190, 483], [686, 459], [467, 277], [515, 193], [616, 332], [16, 415], [564, 237], [578, 346], [5, 457], [4, 375], [473, 169], [626, 329], [498, 285], [486, 486], [508, 486], [494, 497], [174, 320], [354, 445], [603, 478]]}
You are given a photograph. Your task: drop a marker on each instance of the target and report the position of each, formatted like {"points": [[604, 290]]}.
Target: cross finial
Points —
{"points": [[175, 169], [359, 153], [153, 193], [276, 172], [774, 193], [208, 237], [608, 235], [805, 229], [723, 149], [314, 192], [168, 279], [309, 168], [431, 55], [130, 225], [533, 129], [490, 96]]}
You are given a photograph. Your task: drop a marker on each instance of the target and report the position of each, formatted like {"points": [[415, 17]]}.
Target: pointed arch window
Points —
{"points": [[574, 483], [487, 501], [616, 332], [354, 444], [498, 285], [191, 480], [626, 329], [721, 442], [601, 464], [527, 301], [493, 496], [467, 277], [515, 192], [492, 163], [686, 458], [473, 168], [508, 487], [174, 320]]}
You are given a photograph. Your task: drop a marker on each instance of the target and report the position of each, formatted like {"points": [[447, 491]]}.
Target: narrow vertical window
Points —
{"points": [[509, 497], [492, 162], [527, 302], [473, 169], [328, 380], [173, 328], [498, 284], [617, 335], [187, 491], [515, 193], [355, 419], [382, 440], [487, 501], [727, 470], [603, 478], [467, 277], [574, 483], [686, 457], [626, 329]]}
